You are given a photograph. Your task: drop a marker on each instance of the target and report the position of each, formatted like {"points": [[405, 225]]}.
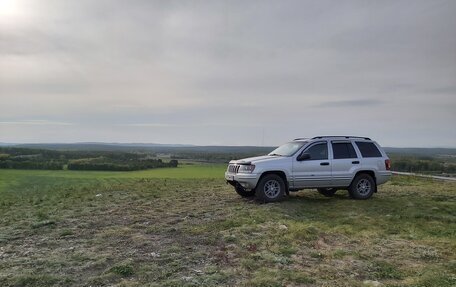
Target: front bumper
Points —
{"points": [[246, 180]]}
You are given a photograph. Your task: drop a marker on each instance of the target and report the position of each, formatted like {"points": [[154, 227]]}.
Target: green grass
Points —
{"points": [[10, 176], [186, 227]]}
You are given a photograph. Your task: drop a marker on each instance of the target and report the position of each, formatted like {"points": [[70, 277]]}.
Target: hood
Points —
{"points": [[256, 160]]}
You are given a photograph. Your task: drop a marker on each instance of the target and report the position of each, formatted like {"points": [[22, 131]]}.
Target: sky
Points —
{"points": [[227, 72]]}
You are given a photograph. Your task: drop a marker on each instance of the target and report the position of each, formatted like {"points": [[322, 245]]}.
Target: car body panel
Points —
{"points": [[309, 174]]}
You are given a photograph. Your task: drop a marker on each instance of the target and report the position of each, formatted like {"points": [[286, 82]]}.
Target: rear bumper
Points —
{"points": [[247, 181], [383, 176]]}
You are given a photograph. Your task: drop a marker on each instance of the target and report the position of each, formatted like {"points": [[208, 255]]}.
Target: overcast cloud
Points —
{"points": [[225, 72]]}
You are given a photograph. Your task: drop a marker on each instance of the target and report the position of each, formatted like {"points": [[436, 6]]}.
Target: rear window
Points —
{"points": [[343, 150], [368, 149]]}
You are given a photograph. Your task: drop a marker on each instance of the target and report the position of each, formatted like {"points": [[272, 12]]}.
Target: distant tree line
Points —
{"points": [[52, 165], [423, 164], [102, 164], [212, 156], [26, 158]]}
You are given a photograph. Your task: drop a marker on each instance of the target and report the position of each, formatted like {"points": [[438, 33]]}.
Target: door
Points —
{"points": [[345, 163], [314, 171]]}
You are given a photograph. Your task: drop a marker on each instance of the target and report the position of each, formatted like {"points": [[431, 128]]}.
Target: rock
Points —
{"points": [[283, 227], [155, 254], [372, 283], [187, 278], [98, 195], [197, 271]]}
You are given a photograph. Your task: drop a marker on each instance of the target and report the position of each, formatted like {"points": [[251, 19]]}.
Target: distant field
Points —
{"points": [[183, 171], [185, 227]]}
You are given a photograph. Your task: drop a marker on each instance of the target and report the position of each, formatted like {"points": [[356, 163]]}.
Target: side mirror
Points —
{"points": [[303, 156]]}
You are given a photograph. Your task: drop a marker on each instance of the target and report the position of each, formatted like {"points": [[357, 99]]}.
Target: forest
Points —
{"points": [[26, 158]]}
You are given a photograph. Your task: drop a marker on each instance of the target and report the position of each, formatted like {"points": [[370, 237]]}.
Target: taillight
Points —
{"points": [[387, 164]]}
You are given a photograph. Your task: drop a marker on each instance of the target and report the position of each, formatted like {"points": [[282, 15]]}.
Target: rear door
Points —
{"points": [[315, 171], [373, 159], [345, 163]]}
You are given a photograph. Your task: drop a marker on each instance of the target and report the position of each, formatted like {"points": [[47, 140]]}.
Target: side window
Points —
{"points": [[318, 151], [343, 150], [368, 149]]}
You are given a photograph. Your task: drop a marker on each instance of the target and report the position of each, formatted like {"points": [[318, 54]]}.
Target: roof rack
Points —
{"points": [[347, 137], [299, 139]]}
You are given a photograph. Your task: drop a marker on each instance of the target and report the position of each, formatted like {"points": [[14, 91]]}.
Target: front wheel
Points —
{"points": [[270, 188], [328, 192], [243, 192], [362, 187]]}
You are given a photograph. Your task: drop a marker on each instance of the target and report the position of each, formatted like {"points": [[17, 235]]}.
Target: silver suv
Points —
{"points": [[327, 163]]}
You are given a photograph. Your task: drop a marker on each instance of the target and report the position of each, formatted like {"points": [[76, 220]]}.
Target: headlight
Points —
{"points": [[246, 168]]}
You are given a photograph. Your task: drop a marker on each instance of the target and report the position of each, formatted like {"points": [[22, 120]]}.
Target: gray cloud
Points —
{"points": [[350, 103], [195, 71], [35, 122]]}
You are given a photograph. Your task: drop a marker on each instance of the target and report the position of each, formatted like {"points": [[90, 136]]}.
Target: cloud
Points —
{"points": [[36, 123], [183, 125], [350, 103], [223, 71]]}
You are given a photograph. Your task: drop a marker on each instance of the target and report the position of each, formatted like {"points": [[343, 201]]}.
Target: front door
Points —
{"points": [[314, 171]]}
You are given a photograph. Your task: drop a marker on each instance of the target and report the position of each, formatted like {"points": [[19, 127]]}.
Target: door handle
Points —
{"points": [[324, 163], [355, 162]]}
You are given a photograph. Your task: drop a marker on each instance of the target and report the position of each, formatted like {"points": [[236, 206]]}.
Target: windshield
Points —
{"points": [[287, 149]]}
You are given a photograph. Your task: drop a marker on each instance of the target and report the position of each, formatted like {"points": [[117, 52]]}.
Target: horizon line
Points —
{"points": [[186, 145]]}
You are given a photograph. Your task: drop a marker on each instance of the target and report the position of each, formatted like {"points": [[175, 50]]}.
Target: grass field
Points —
{"points": [[186, 227]]}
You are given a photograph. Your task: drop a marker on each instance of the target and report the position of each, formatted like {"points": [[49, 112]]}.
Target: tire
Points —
{"points": [[328, 192], [244, 193], [270, 188], [362, 187]]}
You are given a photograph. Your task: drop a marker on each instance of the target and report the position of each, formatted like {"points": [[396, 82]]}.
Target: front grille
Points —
{"points": [[233, 168]]}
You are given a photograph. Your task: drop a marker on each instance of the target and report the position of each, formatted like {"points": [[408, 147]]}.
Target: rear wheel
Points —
{"points": [[270, 188], [362, 187], [243, 192], [328, 192]]}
